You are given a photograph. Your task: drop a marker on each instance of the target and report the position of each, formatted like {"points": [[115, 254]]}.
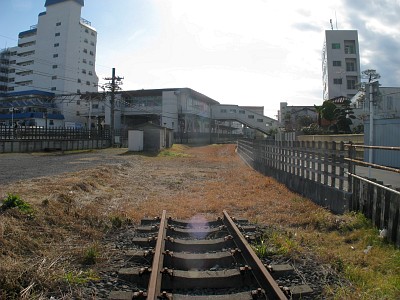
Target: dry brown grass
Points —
{"points": [[73, 212]]}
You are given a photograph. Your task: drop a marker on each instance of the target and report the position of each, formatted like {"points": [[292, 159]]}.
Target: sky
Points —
{"points": [[243, 52]]}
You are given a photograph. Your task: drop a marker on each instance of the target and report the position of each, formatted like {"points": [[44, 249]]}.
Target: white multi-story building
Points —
{"points": [[57, 55], [340, 64]]}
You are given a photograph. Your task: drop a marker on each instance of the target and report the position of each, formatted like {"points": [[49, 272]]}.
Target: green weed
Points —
{"points": [[14, 201], [81, 277]]}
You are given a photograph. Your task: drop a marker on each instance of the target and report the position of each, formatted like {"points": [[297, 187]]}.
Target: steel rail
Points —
{"points": [[154, 287], [264, 278]]}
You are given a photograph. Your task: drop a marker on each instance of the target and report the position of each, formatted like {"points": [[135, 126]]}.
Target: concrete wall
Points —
{"points": [[19, 146]]}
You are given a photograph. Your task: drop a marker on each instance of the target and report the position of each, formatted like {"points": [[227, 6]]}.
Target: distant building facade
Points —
{"points": [[293, 118], [57, 55], [340, 64]]}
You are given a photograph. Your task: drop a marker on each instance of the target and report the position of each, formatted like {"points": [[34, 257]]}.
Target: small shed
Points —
{"points": [[155, 137]]}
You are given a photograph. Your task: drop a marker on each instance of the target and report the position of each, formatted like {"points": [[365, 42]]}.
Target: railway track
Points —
{"points": [[198, 260]]}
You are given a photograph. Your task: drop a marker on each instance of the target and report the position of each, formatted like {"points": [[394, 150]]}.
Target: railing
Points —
{"points": [[326, 173]]}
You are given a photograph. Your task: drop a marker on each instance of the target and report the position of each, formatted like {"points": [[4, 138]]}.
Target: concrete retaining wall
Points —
{"points": [[17, 146]]}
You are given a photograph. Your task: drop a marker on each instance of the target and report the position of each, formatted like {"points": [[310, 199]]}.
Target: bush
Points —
{"points": [[14, 201]]}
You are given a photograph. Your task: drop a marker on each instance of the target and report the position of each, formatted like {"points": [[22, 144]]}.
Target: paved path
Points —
{"points": [[387, 177], [22, 166]]}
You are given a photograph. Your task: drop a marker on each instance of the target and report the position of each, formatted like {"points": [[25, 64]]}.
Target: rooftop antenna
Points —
{"points": [[336, 20], [330, 20]]}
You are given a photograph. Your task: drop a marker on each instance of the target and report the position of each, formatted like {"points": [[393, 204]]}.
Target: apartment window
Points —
{"points": [[84, 50], [53, 88], [250, 116], [90, 73], [337, 63], [55, 55], [91, 53], [242, 112], [86, 41], [83, 71], [11, 79], [337, 80], [351, 65], [90, 63], [79, 81], [55, 66], [335, 45], [232, 111], [95, 106], [223, 111], [92, 43], [58, 24], [350, 47], [56, 45], [78, 113], [54, 77], [57, 34], [87, 82], [87, 30], [351, 83], [51, 122], [260, 120], [84, 61], [92, 33]]}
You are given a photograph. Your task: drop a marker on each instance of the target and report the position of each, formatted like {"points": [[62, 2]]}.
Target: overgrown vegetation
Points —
{"points": [[54, 248]]}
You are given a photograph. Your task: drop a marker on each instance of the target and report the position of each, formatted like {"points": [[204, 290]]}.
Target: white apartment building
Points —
{"points": [[57, 55], [340, 64]]}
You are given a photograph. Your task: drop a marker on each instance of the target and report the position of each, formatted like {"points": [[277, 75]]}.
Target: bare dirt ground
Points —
{"points": [[77, 199]]}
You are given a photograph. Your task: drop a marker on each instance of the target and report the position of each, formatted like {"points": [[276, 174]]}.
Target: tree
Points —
{"points": [[344, 115], [370, 74]]}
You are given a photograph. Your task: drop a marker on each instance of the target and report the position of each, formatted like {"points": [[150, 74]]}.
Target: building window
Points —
{"points": [[351, 83], [92, 33], [54, 77], [51, 122], [53, 88], [57, 34], [58, 24], [251, 116], [91, 53], [84, 50], [337, 63], [389, 102], [78, 91], [350, 66], [87, 82], [87, 30], [223, 111], [260, 120], [56, 45], [84, 61], [335, 45], [55, 55], [78, 102], [83, 71], [92, 43], [79, 81], [242, 112], [78, 113], [90, 73], [86, 41], [90, 63], [337, 80], [55, 66]]}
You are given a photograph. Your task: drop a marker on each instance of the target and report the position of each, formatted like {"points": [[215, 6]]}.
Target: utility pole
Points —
{"points": [[113, 86]]}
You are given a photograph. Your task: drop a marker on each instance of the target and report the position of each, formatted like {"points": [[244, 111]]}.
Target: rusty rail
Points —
{"points": [[156, 276], [262, 275]]}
